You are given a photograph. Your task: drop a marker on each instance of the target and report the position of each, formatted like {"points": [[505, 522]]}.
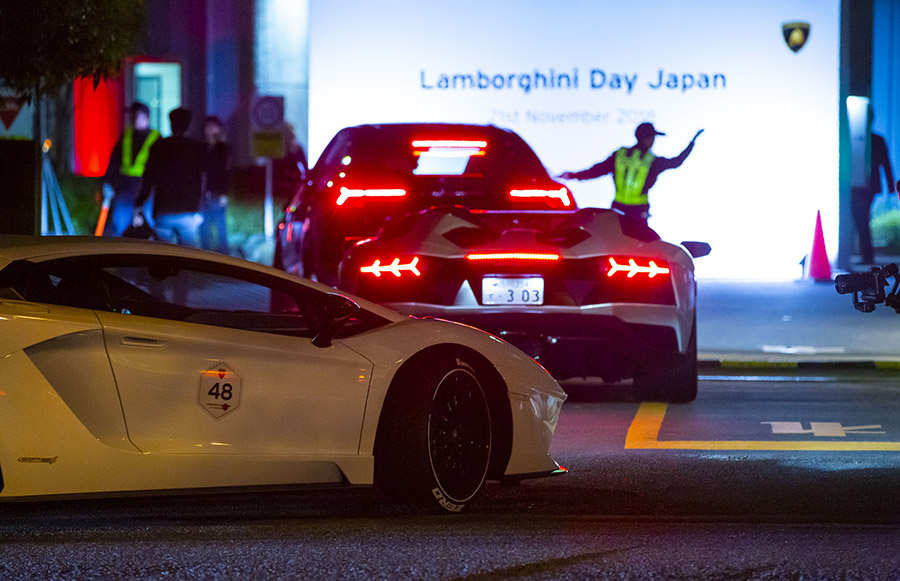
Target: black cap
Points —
{"points": [[645, 130]]}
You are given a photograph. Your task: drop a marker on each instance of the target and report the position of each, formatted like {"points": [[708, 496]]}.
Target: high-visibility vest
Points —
{"points": [[134, 166], [631, 175]]}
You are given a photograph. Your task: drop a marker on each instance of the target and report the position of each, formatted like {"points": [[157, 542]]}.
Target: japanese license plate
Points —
{"points": [[523, 290]]}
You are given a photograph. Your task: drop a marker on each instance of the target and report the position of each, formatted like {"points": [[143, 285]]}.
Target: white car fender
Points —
{"points": [[535, 406]]}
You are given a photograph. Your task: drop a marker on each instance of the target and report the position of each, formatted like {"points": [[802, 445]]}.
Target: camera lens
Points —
{"points": [[854, 282]]}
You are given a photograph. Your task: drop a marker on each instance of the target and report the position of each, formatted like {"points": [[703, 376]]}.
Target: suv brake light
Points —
{"points": [[347, 193], [468, 144], [562, 194]]}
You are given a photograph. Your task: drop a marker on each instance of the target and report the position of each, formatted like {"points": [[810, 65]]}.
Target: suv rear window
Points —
{"points": [[459, 158]]}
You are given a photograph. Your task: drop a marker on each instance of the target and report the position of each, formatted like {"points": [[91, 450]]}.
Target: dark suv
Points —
{"points": [[371, 174]]}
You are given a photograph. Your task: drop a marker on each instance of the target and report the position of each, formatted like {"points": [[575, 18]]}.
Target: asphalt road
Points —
{"points": [[790, 321], [765, 477]]}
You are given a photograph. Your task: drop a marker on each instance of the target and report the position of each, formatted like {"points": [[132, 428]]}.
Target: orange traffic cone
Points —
{"points": [[819, 267]]}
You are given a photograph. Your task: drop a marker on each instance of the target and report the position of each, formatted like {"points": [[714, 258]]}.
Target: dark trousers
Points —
{"points": [[861, 208], [639, 212]]}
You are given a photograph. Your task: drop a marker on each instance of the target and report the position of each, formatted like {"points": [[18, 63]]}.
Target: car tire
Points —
{"points": [[435, 443], [676, 384]]}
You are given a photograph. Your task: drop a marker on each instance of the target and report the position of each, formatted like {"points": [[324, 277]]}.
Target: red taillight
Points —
{"points": [[464, 143], [561, 194], [632, 267], [513, 256], [347, 193], [395, 268]]}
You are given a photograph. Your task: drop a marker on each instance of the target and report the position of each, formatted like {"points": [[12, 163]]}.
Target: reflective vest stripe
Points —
{"points": [[631, 175], [135, 167]]}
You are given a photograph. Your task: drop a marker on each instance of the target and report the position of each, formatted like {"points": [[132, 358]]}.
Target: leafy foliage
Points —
{"points": [[45, 44], [886, 231]]}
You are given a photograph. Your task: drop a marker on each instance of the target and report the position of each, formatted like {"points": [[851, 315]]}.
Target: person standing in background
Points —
{"points": [[861, 197], [175, 175], [214, 229], [291, 169], [127, 162]]}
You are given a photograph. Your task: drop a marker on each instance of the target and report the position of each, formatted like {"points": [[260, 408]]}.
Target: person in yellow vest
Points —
{"points": [[122, 181], [634, 170]]}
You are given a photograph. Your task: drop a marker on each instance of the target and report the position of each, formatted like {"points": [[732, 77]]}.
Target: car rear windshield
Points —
{"points": [[470, 158]]}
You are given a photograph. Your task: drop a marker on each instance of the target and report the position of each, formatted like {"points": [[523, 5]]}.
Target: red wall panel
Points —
{"points": [[97, 124]]}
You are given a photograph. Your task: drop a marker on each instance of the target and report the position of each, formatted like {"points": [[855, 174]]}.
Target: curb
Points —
{"points": [[805, 365]]}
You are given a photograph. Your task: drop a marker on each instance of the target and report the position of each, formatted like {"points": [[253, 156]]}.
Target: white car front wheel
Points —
{"points": [[436, 444]]}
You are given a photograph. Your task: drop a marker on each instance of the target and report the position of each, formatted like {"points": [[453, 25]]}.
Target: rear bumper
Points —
{"points": [[608, 341]]}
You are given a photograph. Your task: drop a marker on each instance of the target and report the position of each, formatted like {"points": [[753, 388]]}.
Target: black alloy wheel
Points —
{"points": [[459, 435], [435, 438]]}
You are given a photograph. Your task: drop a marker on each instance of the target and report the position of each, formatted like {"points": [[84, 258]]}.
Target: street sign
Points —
{"points": [[15, 117], [267, 140], [9, 110], [267, 126]]}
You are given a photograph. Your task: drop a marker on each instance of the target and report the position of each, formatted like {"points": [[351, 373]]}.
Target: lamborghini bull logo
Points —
{"points": [[795, 34]]}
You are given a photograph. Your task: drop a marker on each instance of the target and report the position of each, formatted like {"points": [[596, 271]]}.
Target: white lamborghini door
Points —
{"points": [[233, 376]]}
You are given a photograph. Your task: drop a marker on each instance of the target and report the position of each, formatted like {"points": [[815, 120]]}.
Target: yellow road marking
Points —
{"points": [[643, 434]]}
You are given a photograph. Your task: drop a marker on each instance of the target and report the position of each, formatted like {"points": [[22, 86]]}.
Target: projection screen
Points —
{"points": [[574, 78]]}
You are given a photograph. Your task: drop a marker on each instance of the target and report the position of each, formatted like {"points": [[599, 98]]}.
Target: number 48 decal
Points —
{"points": [[225, 391], [220, 390]]}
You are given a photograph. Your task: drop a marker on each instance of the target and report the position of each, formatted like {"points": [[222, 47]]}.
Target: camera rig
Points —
{"points": [[868, 287]]}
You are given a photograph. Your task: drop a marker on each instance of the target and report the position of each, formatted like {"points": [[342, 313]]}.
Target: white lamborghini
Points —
{"points": [[587, 293], [130, 366]]}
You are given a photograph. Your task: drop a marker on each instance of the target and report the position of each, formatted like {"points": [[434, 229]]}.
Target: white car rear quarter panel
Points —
{"points": [[33, 323]]}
